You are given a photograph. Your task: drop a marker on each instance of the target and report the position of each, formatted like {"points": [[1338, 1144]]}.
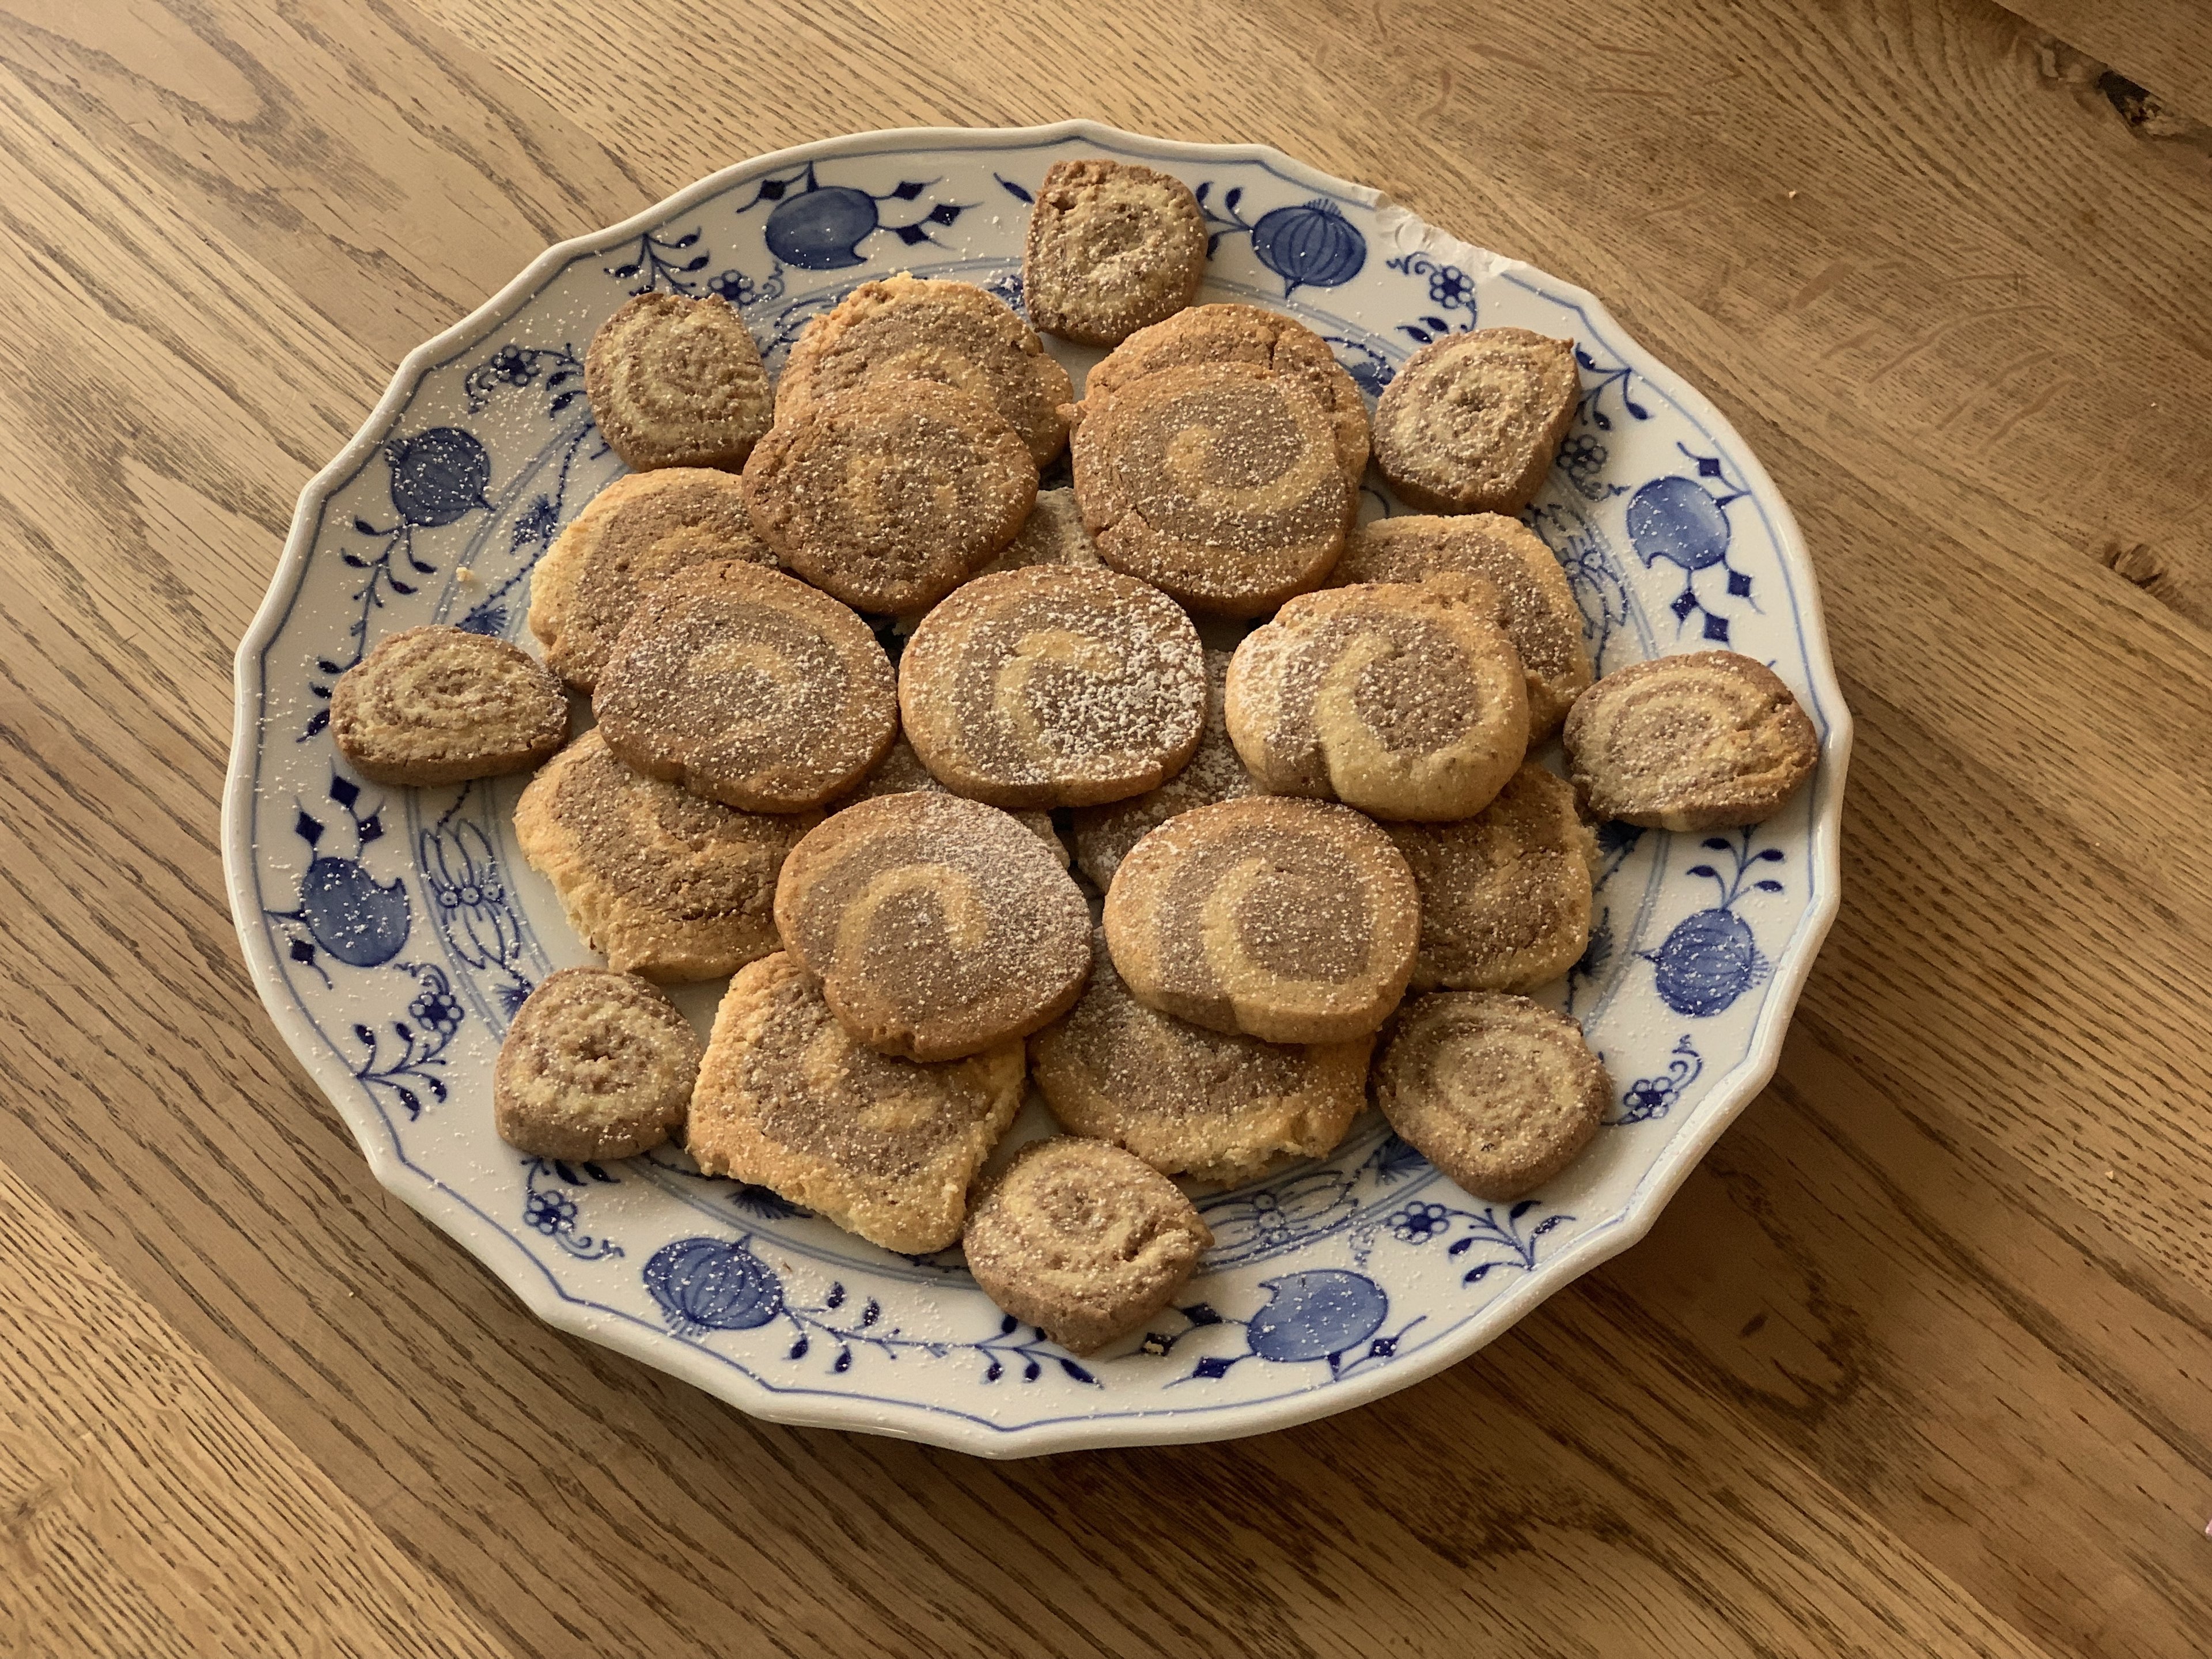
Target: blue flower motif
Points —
{"points": [[435, 1008], [550, 1213], [1450, 286], [1417, 1224], [510, 365], [1583, 457]]}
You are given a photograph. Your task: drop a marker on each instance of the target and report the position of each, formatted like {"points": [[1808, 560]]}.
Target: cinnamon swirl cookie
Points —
{"points": [[641, 527], [1505, 895], [905, 328], [1187, 1100], [1053, 686], [1537, 607], [937, 926], [1405, 698], [902, 770], [1471, 423], [1111, 246], [890, 494], [1246, 334], [1104, 835], [1082, 1241], [1706, 741], [883, 1147], [1221, 483], [1498, 1092], [678, 382], [596, 1065], [1288, 920], [748, 688], [662, 883], [437, 705]]}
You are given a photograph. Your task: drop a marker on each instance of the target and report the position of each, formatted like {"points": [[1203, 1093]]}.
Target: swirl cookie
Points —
{"points": [[436, 705], [748, 688], [1505, 895], [907, 329], [1537, 607], [1706, 741], [640, 528], [1471, 423], [1404, 699], [1499, 1093], [902, 770], [678, 382], [937, 926], [884, 1148], [1287, 920], [1082, 1241], [1189, 1100], [1218, 482], [664, 883], [1246, 334], [1112, 246], [890, 494], [596, 1065], [1053, 686], [1104, 835]]}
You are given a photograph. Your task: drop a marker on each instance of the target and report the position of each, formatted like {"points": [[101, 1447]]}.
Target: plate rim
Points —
{"points": [[538, 1292]]}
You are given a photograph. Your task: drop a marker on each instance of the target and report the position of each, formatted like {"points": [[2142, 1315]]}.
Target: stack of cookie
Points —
{"points": [[1274, 836]]}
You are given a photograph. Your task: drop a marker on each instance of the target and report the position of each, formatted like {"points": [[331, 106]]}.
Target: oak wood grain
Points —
{"points": [[1917, 1363]]}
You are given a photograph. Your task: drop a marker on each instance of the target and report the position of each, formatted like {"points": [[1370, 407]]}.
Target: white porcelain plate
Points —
{"points": [[393, 933]]}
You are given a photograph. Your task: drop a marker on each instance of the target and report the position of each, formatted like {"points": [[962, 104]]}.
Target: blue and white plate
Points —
{"points": [[393, 933]]}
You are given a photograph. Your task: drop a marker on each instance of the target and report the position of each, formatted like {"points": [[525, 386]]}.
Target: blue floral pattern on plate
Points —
{"points": [[394, 933]]}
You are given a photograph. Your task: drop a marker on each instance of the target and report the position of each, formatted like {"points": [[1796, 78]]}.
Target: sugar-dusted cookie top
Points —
{"points": [[1112, 246], [748, 688], [1471, 423], [1217, 482], [596, 1065], [678, 382], [439, 705], [902, 770], [890, 494], [1708, 741]]}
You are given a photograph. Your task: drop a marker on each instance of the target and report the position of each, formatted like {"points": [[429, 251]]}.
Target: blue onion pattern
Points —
{"points": [[712, 1284]]}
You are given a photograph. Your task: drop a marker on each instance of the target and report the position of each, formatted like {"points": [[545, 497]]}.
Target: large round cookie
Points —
{"points": [[678, 382], [748, 688], [1406, 699], [441, 705], [1111, 246], [596, 1065], [905, 328], [639, 529], [1053, 686], [1217, 482], [1472, 422], [938, 926], [1190, 1101], [884, 1148], [890, 494], [1292, 920]]}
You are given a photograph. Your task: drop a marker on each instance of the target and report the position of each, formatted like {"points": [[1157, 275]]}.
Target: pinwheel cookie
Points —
{"points": [[678, 382], [596, 1065], [437, 705], [1111, 247], [1471, 423]]}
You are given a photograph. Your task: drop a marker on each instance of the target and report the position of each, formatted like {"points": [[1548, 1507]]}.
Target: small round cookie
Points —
{"points": [[1112, 246], [596, 1065], [437, 705], [1537, 608], [665, 885], [1404, 699], [1471, 423], [905, 328], [902, 770], [1082, 1241], [884, 1148], [1711, 740], [641, 527], [678, 382], [1505, 895], [890, 494], [1217, 482], [1189, 1100], [1104, 835], [1246, 334], [937, 926], [748, 688], [1053, 686], [1292, 920], [1498, 1092]]}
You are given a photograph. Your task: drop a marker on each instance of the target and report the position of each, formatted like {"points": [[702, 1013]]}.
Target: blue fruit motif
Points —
{"points": [[712, 1284], [1711, 958], [1672, 518], [1311, 1315], [1312, 245], [438, 477], [349, 915], [822, 228]]}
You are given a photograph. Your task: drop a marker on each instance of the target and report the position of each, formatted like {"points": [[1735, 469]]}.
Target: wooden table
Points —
{"points": [[1917, 1362]]}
